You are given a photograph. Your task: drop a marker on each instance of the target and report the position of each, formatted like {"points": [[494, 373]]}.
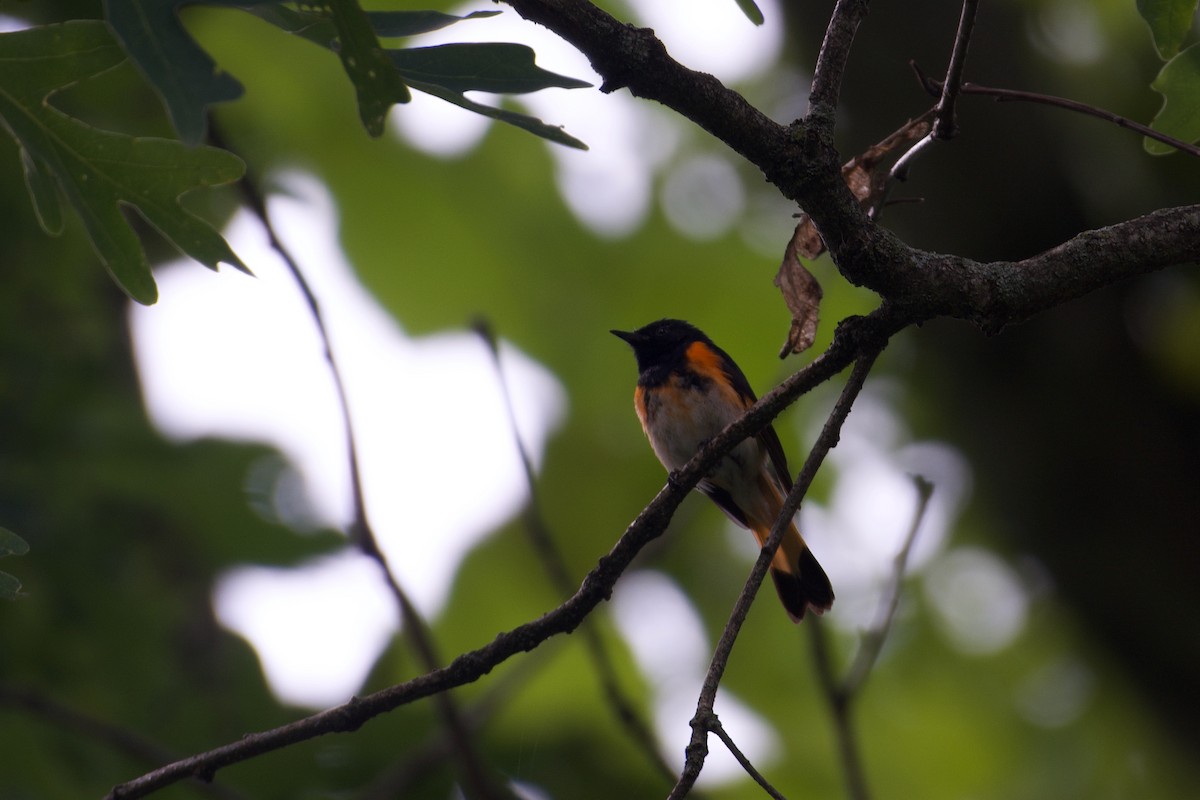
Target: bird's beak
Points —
{"points": [[624, 335]]}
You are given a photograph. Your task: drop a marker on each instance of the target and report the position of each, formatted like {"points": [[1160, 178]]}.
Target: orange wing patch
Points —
{"points": [[708, 363]]}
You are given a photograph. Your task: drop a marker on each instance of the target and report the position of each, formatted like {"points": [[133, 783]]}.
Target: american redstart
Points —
{"points": [[688, 391]]}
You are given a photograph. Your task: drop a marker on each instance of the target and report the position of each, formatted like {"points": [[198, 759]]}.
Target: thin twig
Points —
{"points": [[361, 533], [716, 727], [945, 126], [841, 694], [556, 566], [1016, 95], [872, 641], [129, 743], [843, 724], [697, 749], [945, 113]]}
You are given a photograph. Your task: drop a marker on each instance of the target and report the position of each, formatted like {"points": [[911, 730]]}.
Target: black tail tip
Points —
{"points": [[806, 590]]}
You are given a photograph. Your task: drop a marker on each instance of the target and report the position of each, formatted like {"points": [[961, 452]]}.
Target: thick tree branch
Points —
{"points": [[801, 161]]}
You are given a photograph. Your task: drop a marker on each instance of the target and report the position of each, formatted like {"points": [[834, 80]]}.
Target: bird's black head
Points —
{"points": [[662, 342]]}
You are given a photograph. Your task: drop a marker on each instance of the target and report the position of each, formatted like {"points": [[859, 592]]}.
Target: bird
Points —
{"points": [[688, 391]]}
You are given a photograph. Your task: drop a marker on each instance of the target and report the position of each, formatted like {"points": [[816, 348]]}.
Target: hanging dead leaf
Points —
{"points": [[802, 293], [866, 174]]}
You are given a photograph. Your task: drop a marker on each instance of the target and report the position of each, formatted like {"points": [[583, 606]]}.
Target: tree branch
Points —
{"points": [[129, 743], [472, 768], [840, 694], [854, 336], [697, 749], [831, 61], [945, 126], [803, 164], [556, 567]]}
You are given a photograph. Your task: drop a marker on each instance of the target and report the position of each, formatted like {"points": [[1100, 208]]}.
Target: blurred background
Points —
{"points": [[179, 470]]}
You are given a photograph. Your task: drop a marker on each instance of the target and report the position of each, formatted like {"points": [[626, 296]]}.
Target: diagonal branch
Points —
{"points": [[556, 567], [474, 772], [697, 749], [854, 336], [716, 727], [946, 124], [122, 740], [840, 694], [831, 61], [1010, 95]]}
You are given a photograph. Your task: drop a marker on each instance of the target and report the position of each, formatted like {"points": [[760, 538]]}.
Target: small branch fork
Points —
{"points": [[840, 694], [697, 749]]}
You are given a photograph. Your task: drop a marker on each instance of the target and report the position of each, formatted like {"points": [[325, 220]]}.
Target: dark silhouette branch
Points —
{"points": [[697, 749], [872, 641], [1011, 95], [475, 774], [945, 126], [854, 336], [115, 737], [556, 567], [840, 694], [831, 61], [801, 161], [714, 725]]}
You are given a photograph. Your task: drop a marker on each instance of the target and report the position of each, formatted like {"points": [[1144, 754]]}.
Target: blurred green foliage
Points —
{"points": [[1081, 428]]}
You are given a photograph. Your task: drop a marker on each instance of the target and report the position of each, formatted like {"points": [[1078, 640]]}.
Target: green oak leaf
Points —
{"points": [[183, 74], [100, 172], [391, 24], [1179, 84], [445, 71], [1169, 22], [318, 27], [495, 67], [523, 121], [376, 81]]}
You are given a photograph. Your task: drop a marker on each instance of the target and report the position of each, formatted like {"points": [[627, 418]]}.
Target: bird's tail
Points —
{"points": [[801, 582]]}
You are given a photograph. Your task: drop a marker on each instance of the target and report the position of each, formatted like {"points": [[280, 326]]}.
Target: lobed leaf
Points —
{"points": [[523, 121], [1179, 84], [496, 67], [391, 24], [317, 26], [444, 71], [1169, 22], [376, 81], [98, 171], [183, 74]]}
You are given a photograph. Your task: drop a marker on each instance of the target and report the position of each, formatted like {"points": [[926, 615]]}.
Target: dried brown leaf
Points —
{"points": [[801, 292], [866, 174]]}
